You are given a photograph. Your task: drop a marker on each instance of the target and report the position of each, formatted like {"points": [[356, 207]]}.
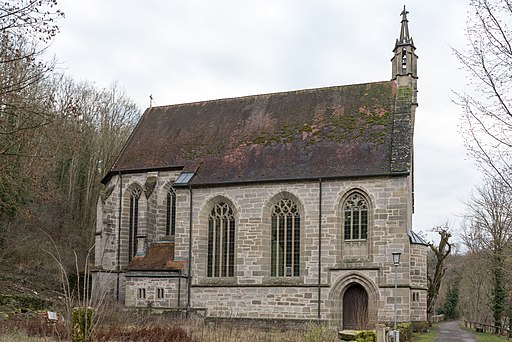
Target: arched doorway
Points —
{"points": [[355, 308]]}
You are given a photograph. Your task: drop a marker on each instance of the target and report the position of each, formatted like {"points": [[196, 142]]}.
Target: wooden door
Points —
{"points": [[355, 308]]}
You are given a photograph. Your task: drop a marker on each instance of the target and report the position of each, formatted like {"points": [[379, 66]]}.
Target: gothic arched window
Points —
{"points": [[355, 211], [221, 241], [133, 223], [170, 212], [285, 247]]}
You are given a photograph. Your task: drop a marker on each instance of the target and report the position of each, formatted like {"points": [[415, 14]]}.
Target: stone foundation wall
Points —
{"points": [[257, 302], [156, 292]]}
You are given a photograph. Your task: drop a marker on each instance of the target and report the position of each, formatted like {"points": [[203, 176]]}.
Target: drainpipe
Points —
{"points": [[179, 290], [319, 244], [119, 235], [189, 278]]}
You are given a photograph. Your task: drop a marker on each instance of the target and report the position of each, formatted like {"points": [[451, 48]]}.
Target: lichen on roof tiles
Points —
{"points": [[340, 131]]}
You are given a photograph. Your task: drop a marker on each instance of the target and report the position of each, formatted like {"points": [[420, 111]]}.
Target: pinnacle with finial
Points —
{"points": [[404, 30], [404, 14]]}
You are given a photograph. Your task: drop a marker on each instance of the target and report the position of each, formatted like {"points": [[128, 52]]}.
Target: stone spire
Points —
{"points": [[404, 61], [404, 30]]}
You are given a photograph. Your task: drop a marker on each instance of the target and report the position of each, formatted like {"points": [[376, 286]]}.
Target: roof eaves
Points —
{"points": [[295, 179], [109, 175]]}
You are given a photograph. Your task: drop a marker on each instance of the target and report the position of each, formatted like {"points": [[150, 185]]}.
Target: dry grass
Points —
{"points": [[21, 337], [118, 324]]}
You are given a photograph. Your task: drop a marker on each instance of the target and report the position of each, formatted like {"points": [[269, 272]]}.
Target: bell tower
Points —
{"points": [[404, 62]]}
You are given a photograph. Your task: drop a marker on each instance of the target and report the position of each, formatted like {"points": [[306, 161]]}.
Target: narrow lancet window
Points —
{"points": [[221, 241], [404, 60], [133, 224], [170, 213], [285, 247], [355, 217]]}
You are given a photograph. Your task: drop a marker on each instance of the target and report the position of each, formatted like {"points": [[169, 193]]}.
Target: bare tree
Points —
{"points": [[52, 179], [488, 233], [26, 27], [436, 266], [475, 288], [34, 18], [487, 106], [93, 126]]}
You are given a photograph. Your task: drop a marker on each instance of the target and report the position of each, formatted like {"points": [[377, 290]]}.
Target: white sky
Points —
{"points": [[192, 50]]}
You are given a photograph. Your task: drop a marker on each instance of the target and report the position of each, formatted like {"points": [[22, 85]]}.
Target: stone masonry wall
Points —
{"points": [[418, 284], [107, 232], [258, 302], [389, 220], [156, 292]]}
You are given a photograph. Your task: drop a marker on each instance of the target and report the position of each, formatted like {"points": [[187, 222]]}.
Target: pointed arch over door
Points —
{"points": [[355, 308]]}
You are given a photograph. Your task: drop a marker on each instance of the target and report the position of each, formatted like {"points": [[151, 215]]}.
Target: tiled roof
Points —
{"points": [[343, 131], [159, 257]]}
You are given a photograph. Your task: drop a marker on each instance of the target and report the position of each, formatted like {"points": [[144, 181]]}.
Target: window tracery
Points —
{"points": [[285, 247], [355, 211], [221, 241]]}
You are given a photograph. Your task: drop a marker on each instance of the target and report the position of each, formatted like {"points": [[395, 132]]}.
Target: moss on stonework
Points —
{"points": [[404, 93], [149, 186], [364, 125]]}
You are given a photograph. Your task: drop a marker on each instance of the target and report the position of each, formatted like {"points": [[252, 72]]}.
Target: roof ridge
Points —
{"points": [[262, 94]]}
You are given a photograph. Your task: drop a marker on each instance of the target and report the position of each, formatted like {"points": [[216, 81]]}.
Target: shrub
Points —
{"points": [[143, 334], [359, 336], [405, 332], [366, 336], [35, 325], [421, 326], [319, 333], [81, 324], [43, 328]]}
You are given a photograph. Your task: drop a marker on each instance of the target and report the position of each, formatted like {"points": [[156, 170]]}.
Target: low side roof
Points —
{"points": [[159, 257], [342, 131]]}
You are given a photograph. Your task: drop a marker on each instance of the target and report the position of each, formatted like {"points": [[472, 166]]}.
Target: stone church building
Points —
{"points": [[276, 206]]}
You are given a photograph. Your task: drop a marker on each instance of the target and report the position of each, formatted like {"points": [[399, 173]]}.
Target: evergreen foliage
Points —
{"points": [[81, 320], [450, 307]]}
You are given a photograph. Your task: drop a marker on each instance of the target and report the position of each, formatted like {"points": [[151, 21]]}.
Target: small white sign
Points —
{"points": [[52, 316]]}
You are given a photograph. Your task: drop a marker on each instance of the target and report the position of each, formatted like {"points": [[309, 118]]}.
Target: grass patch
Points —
{"points": [[428, 336], [485, 337]]}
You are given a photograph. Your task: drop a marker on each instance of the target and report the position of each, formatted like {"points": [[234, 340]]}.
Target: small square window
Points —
{"points": [[142, 293], [160, 293]]}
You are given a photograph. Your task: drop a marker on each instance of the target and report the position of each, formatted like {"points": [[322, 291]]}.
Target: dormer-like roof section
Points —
{"points": [[342, 131]]}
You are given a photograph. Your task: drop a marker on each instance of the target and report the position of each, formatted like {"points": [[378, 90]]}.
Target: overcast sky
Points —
{"points": [[192, 50]]}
